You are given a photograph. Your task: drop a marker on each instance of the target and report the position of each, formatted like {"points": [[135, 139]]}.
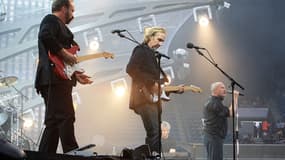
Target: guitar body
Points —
{"points": [[59, 65], [65, 71]]}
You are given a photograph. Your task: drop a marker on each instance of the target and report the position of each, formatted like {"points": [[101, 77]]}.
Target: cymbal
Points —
{"points": [[3, 118], [6, 81]]}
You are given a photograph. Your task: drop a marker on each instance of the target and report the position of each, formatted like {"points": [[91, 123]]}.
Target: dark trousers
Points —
{"points": [[149, 116], [214, 147], [59, 119]]}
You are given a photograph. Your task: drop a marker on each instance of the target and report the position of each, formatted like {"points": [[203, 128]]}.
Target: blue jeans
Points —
{"points": [[149, 115]]}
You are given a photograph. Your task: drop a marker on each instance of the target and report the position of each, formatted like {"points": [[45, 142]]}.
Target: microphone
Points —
{"points": [[230, 92], [118, 31], [191, 45]]}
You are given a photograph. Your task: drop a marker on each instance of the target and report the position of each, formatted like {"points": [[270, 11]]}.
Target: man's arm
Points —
{"points": [[83, 78], [236, 95]]}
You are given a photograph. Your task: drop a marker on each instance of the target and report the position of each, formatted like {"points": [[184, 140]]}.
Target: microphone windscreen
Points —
{"points": [[190, 45]]}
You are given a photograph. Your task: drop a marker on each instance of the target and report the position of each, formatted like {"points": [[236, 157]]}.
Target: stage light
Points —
{"points": [[180, 51], [147, 21], [202, 15], [120, 91], [28, 123], [203, 21], [221, 4], [227, 4], [94, 44], [28, 118], [93, 38], [119, 87]]}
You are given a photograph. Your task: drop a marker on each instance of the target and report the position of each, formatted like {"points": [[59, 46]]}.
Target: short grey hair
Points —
{"points": [[215, 85], [166, 125]]}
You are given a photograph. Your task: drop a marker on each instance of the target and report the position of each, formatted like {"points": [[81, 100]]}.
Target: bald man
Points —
{"points": [[215, 121]]}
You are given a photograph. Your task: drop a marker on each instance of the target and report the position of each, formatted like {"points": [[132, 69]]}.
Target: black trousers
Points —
{"points": [[59, 118], [214, 146], [149, 116]]}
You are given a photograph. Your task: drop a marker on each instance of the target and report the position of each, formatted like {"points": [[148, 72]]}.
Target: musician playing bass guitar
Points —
{"points": [[55, 37]]}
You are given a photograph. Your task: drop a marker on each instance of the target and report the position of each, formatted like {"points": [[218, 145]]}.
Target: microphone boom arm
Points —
{"points": [[216, 65]]}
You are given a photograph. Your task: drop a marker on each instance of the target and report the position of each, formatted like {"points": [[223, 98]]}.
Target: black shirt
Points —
{"points": [[53, 36], [143, 66], [144, 71], [215, 117]]}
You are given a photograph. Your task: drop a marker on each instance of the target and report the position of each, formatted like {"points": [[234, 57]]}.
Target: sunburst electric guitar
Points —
{"points": [[66, 71]]}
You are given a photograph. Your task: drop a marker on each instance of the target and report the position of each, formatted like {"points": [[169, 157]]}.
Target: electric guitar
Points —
{"points": [[170, 89], [66, 71]]}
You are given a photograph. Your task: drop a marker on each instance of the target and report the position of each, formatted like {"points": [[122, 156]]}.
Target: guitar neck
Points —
{"points": [[88, 57], [186, 88]]}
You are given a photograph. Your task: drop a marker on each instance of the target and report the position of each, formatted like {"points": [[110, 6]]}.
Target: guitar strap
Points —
{"points": [[164, 79]]}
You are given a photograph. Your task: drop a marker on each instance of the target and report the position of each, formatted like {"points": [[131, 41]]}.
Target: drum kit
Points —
{"points": [[10, 113], [5, 82]]}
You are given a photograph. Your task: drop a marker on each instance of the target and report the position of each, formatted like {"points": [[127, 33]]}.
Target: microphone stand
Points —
{"points": [[233, 83], [158, 56]]}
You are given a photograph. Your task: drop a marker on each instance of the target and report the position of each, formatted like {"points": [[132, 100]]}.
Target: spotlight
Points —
{"points": [[203, 21], [146, 22], [202, 15], [223, 4], [28, 122], [119, 87], [93, 38], [28, 118], [94, 44], [180, 51], [227, 4], [120, 91]]}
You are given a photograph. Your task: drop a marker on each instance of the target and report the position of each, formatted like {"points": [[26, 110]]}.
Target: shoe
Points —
{"points": [[155, 155]]}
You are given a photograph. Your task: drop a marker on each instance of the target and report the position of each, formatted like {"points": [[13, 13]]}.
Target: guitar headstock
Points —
{"points": [[108, 55], [195, 89]]}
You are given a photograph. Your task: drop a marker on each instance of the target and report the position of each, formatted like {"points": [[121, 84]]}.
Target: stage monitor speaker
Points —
{"points": [[33, 155], [9, 151], [140, 153]]}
